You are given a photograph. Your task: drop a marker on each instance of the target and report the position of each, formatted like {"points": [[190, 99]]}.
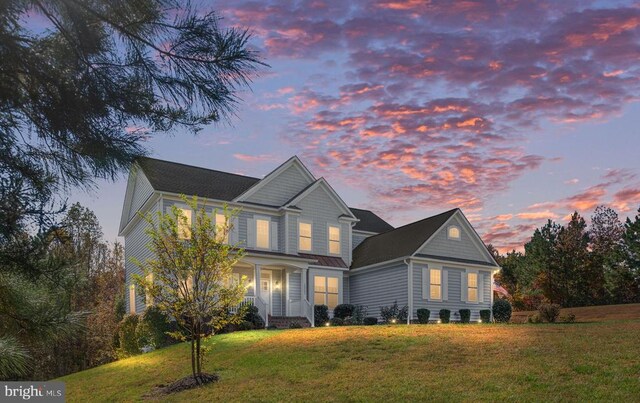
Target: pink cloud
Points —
{"points": [[255, 158]]}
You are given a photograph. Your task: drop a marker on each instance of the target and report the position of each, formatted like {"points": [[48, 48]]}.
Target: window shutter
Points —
{"points": [[445, 285], [463, 287], [480, 287], [251, 232], [425, 283], [273, 235], [234, 233]]}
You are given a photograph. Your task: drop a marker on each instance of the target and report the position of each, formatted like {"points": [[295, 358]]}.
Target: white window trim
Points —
{"points": [[467, 272], [303, 221], [459, 233], [267, 219], [132, 299], [326, 292], [329, 225]]}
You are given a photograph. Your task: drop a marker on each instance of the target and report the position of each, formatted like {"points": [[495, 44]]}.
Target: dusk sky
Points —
{"points": [[514, 111]]}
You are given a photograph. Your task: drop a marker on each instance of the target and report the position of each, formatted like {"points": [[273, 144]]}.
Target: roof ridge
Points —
{"points": [[414, 222], [197, 167]]}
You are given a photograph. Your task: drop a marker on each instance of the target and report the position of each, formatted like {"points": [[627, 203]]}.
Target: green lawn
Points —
{"points": [[575, 362]]}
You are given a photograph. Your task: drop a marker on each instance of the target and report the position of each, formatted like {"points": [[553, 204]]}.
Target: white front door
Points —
{"points": [[265, 288]]}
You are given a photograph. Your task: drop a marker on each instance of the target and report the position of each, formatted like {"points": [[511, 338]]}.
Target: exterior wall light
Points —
{"points": [[327, 324]]}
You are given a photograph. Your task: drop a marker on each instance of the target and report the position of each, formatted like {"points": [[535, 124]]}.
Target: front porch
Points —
{"points": [[280, 292]]}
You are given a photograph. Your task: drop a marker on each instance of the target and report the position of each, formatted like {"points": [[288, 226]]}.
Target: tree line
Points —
{"points": [[576, 264]]}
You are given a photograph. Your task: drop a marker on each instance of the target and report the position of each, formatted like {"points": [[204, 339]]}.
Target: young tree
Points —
{"points": [[190, 276], [607, 256], [632, 257]]}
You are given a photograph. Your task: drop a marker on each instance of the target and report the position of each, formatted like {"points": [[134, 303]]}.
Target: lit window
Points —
{"points": [[220, 234], [189, 283], [304, 244], [334, 240], [132, 299], [472, 286], [262, 234], [454, 232], [325, 291], [149, 298], [435, 285], [184, 224]]}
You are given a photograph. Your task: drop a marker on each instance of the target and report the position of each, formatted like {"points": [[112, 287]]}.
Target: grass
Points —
{"points": [[590, 313], [562, 362]]}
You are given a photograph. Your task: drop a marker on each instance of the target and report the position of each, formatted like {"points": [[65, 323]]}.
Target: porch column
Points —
{"points": [[304, 284], [256, 281]]}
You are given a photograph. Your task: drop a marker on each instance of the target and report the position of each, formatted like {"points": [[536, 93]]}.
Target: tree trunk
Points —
{"points": [[193, 358]]}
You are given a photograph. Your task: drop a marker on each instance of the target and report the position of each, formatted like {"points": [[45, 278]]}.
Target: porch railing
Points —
{"points": [[308, 311], [262, 309], [247, 300]]}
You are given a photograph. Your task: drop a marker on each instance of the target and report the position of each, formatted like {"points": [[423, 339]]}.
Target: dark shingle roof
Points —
{"points": [[186, 179], [369, 221], [402, 241]]}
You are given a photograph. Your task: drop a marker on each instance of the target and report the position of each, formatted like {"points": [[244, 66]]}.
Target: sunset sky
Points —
{"points": [[514, 111]]}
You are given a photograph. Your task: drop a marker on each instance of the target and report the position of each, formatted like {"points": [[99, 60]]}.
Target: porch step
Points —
{"points": [[283, 322]]}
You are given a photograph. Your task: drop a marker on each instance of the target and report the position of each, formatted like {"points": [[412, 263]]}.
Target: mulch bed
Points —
{"points": [[188, 382]]}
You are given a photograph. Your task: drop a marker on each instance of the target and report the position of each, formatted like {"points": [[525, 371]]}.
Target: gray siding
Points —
{"points": [[379, 287], [322, 210], [142, 190], [277, 299], [345, 292], [281, 188], [464, 248], [292, 233], [136, 246], [295, 286], [454, 302], [358, 238]]}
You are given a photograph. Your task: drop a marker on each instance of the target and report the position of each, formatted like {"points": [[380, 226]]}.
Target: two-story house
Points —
{"points": [[305, 246]]}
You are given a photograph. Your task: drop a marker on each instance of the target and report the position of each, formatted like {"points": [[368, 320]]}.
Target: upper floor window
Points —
{"points": [[262, 233], [472, 287], [435, 284], [221, 236], [184, 224], [334, 240], [453, 232], [304, 242]]}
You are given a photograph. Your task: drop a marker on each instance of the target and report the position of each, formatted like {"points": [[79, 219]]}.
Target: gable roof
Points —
{"points": [[402, 241], [166, 176], [369, 221], [321, 183]]}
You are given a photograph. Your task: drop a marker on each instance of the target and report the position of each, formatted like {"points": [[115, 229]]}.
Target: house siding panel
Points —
{"points": [[295, 286], [142, 190], [379, 287], [281, 188], [357, 239], [454, 302], [464, 248]]}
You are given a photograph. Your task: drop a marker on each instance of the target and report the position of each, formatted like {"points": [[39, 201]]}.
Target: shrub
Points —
{"points": [[127, 335], [272, 327], [337, 322], [501, 310], [570, 318], [320, 315], [343, 311], [252, 315], [535, 318], [245, 325], [549, 312], [445, 314], [295, 325], [370, 321], [358, 315], [465, 315], [423, 315], [389, 313], [485, 315], [153, 328]]}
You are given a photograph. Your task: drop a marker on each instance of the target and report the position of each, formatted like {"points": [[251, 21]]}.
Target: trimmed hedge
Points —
{"points": [[389, 313], [485, 315], [336, 321], [343, 311], [423, 315], [127, 333], [370, 321], [252, 315], [502, 310], [445, 315], [465, 315], [320, 315]]}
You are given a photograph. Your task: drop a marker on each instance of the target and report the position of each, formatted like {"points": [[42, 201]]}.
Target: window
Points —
{"points": [[472, 287], [334, 240], [304, 242], [132, 299], [262, 234], [435, 284], [220, 222], [184, 224], [325, 291], [453, 232], [149, 298]]}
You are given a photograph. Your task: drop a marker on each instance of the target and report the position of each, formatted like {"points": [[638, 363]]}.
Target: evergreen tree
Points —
{"points": [[606, 255], [632, 257]]}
